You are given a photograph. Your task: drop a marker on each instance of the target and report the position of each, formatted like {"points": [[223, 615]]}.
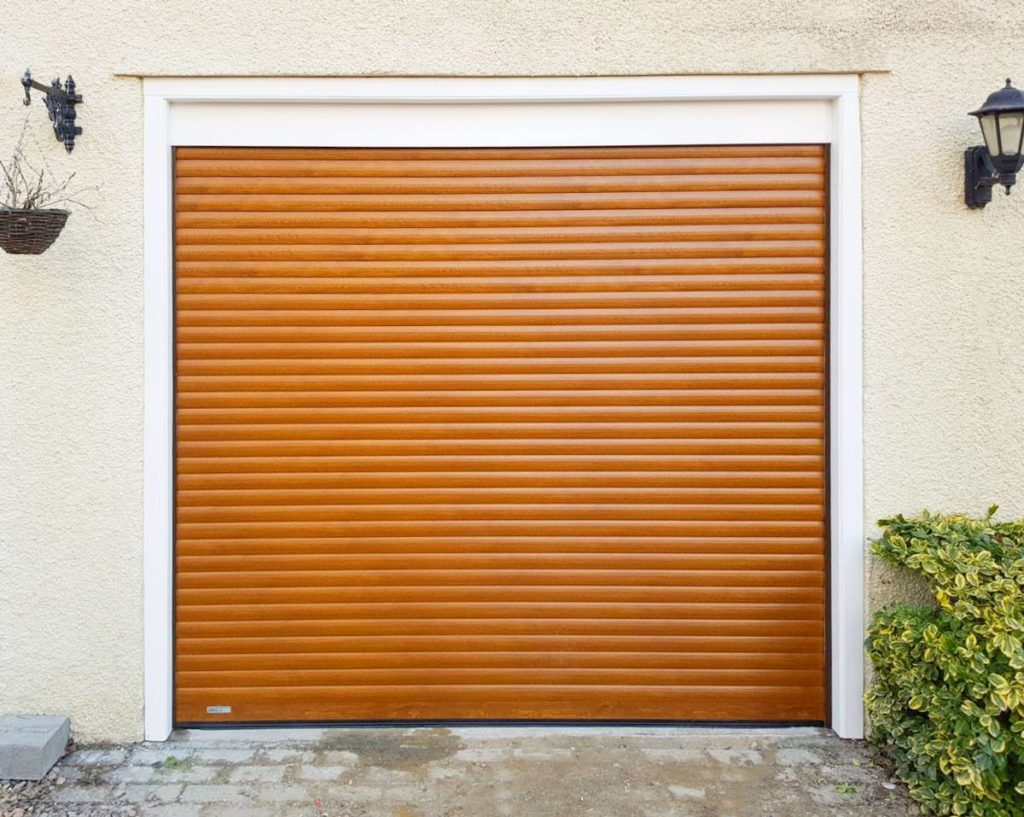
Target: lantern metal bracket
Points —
{"points": [[60, 100], [980, 177]]}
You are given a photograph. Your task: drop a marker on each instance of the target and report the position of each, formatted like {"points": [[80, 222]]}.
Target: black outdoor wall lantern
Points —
{"points": [[60, 100], [998, 160]]}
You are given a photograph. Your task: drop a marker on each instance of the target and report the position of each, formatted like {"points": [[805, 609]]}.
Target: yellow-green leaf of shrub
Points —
{"points": [[947, 703]]}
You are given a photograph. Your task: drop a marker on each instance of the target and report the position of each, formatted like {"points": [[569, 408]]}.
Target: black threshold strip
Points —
{"points": [[411, 724]]}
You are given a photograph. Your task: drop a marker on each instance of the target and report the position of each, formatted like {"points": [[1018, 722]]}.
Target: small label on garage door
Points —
{"points": [[218, 710]]}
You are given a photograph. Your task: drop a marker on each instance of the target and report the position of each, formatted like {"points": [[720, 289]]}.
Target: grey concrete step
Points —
{"points": [[31, 744]]}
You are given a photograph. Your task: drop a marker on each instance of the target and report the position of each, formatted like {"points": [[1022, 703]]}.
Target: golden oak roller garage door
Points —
{"points": [[524, 434]]}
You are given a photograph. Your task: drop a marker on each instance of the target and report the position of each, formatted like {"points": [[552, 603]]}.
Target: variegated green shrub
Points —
{"points": [[947, 704]]}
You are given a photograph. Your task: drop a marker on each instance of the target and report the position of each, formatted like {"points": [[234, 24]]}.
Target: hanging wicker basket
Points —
{"points": [[30, 232]]}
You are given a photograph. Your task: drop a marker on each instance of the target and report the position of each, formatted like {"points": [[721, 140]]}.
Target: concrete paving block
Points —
{"points": [[151, 756], [83, 794], [686, 792], [248, 810], [224, 755], [481, 755], [281, 793], [798, 757], [257, 774], [169, 810], [188, 774], [747, 757], [336, 757], [97, 757], [403, 794], [675, 755], [544, 754], [31, 744], [212, 793], [359, 793], [287, 756], [73, 773], [130, 774], [320, 773], [139, 793]]}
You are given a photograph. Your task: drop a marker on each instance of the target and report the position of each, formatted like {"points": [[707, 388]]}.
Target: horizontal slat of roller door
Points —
{"points": [[500, 434]]}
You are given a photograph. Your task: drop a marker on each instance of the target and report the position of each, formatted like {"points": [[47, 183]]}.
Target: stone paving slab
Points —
{"points": [[471, 772]]}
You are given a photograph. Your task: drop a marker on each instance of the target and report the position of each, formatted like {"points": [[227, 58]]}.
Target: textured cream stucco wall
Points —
{"points": [[944, 287]]}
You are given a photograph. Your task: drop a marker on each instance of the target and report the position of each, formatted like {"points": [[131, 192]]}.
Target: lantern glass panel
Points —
{"points": [[990, 131], [1011, 125]]}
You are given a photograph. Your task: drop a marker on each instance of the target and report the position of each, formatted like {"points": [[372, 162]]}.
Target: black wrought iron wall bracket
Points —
{"points": [[979, 177], [60, 100]]}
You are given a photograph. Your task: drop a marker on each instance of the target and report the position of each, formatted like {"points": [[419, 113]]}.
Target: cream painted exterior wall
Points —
{"points": [[943, 286]]}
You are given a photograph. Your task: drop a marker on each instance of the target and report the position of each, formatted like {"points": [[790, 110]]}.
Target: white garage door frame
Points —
{"points": [[482, 112]]}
